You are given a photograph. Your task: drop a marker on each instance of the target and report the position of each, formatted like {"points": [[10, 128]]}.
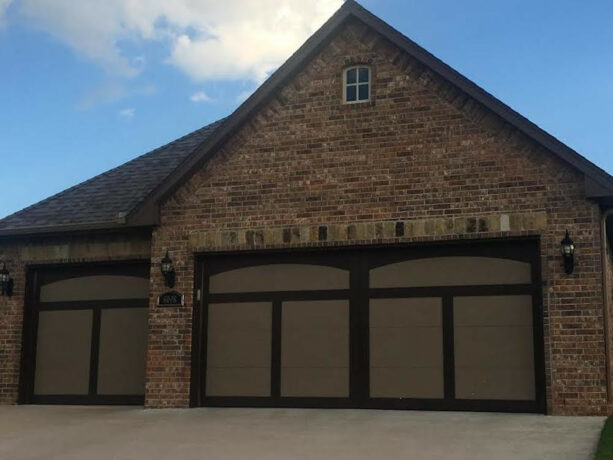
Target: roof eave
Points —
{"points": [[59, 230]]}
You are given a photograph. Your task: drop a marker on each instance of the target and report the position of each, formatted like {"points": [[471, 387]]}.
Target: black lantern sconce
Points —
{"points": [[6, 283], [168, 271], [567, 246]]}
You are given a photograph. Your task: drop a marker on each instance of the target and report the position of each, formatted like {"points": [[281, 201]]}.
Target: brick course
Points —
{"points": [[421, 153]]}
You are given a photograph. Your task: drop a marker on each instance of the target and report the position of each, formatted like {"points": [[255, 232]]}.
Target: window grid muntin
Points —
{"points": [[354, 82]]}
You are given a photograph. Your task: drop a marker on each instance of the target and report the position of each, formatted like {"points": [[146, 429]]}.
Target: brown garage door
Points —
{"points": [[86, 335], [446, 327]]}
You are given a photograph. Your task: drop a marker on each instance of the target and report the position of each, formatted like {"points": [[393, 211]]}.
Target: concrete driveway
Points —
{"points": [[83, 433]]}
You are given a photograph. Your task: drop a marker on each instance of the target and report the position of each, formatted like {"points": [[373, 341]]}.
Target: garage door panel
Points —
{"points": [[238, 381], [239, 347], [321, 382], [493, 311], [494, 347], [315, 348], [407, 346], [123, 349], [406, 382], [240, 315], [495, 383], [328, 314], [235, 341], [63, 352], [326, 347], [490, 346], [406, 332], [407, 312], [315, 334]]}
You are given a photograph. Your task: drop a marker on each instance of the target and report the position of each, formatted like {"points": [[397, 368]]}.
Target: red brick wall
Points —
{"points": [[11, 324], [170, 329], [420, 150], [609, 273]]}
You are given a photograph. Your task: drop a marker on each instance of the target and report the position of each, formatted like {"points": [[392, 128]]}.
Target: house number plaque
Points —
{"points": [[171, 299]]}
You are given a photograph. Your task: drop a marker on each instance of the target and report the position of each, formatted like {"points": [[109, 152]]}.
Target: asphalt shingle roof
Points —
{"points": [[108, 197]]}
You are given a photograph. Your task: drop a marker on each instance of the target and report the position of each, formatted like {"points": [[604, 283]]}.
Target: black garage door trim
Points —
{"points": [[359, 261], [40, 275]]}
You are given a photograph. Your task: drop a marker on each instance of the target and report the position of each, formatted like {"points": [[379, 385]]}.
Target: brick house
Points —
{"points": [[369, 229]]}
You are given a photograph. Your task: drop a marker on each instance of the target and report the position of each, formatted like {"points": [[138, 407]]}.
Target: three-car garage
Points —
{"points": [[445, 327]]}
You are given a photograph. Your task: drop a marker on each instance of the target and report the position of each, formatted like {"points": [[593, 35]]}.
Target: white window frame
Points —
{"points": [[357, 84]]}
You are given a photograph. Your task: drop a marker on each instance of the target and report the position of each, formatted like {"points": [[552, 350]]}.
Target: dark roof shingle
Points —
{"points": [[108, 197]]}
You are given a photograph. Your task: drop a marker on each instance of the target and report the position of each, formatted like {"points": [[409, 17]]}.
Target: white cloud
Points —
{"points": [[113, 91], [200, 96], [127, 113], [206, 39], [107, 93]]}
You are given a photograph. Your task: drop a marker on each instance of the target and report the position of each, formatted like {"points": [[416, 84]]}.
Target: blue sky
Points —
{"points": [[88, 85]]}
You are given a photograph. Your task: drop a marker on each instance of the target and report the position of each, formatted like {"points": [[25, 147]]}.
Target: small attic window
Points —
{"points": [[356, 84]]}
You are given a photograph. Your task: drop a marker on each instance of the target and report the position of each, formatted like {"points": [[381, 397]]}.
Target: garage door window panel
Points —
{"points": [[451, 271], [279, 278], [98, 287]]}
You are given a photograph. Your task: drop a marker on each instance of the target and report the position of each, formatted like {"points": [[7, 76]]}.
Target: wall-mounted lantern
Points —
{"points": [[567, 246], [6, 282], [168, 271]]}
